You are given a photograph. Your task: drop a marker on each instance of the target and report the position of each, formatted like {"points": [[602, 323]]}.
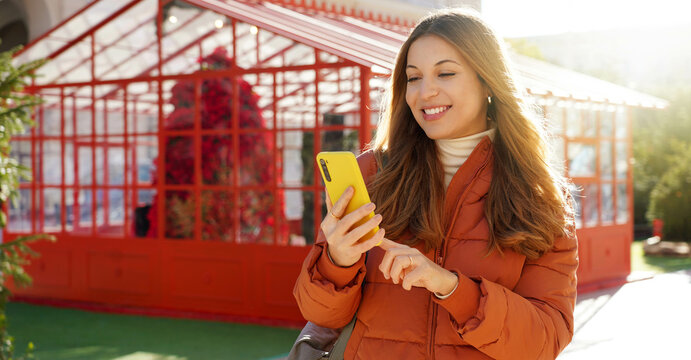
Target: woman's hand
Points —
{"points": [[410, 267], [344, 248]]}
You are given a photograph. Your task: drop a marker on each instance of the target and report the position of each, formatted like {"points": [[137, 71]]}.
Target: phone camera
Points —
{"points": [[326, 170]]}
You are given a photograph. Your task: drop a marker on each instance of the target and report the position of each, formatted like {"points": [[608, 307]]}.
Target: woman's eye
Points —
{"points": [[447, 74], [413, 78]]}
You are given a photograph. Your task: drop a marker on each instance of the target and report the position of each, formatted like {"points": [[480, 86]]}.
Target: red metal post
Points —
{"points": [[365, 114], [75, 184], [233, 45], [94, 223], [135, 171], [278, 196], [106, 181], [41, 180], [258, 46], [235, 119], [197, 159], [629, 168], [317, 147], [161, 192], [33, 173], [126, 148], [598, 164], [63, 141]]}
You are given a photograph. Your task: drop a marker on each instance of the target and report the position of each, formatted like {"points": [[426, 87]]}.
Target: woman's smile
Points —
{"points": [[444, 93], [434, 113]]}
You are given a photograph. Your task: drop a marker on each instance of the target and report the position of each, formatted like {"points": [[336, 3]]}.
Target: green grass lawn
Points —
{"points": [[60, 334], [655, 264]]}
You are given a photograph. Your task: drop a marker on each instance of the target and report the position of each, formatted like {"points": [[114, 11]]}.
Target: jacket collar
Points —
{"points": [[466, 174]]}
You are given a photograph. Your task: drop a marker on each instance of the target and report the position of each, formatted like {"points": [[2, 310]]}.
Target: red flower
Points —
{"points": [[255, 162]]}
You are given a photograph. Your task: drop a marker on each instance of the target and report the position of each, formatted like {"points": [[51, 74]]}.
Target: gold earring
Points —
{"points": [[489, 100]]}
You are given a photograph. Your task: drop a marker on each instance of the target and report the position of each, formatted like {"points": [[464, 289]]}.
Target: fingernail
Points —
{"points": [[378, 217], [370, 206]]}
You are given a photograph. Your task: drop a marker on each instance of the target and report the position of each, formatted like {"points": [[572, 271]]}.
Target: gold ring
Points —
{"points": [[411, 260], [334, 216]]}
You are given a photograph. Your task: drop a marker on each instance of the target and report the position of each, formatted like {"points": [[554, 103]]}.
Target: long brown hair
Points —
{"points": [[526, 207]]}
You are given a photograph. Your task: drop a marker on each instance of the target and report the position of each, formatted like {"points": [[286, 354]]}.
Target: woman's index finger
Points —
{"points": [[387, 244], [340, 206]]}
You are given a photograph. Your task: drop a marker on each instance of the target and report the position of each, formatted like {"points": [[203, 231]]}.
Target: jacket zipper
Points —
{"points": [[433, 324], [439, 260]]}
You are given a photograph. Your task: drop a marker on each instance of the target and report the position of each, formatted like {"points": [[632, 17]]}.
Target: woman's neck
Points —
{"points": [[454, 152]]}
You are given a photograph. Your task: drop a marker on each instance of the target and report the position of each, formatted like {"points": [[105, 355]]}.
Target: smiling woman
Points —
{"points": [[480, 255], [445, 95]]}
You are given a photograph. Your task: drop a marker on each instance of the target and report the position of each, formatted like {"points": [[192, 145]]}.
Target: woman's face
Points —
{"points": [[444, 93]]}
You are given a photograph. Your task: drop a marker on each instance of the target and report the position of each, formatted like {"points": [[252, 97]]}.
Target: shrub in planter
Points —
{"points": [[670, 199]]}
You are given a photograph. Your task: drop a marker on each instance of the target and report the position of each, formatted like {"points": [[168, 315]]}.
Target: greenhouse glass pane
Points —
{"points": [[590, 205], [606, 160], [20, 215], [607, 203], [622, 160], [581, 159], [621, 126], [622, 204], [576, 194]]}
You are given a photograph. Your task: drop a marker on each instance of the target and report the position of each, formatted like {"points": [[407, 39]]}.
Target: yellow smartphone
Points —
{"points": [[339, 170]]}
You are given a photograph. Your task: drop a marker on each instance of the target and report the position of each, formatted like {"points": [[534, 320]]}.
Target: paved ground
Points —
{"points": [[644, 319]]}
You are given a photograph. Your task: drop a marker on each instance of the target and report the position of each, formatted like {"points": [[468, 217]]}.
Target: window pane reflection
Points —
{"points": [[581, 160], [622, 160], [589, 123], [622, 204], [555, 115], [590, 210], [52, 199], [606, 160], [620, 119], [577, 196], [607, 203], [573, 122], [606, 125], [20, 215]]}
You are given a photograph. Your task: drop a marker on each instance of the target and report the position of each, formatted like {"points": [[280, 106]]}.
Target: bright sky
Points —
{"points": [[515, 18]]}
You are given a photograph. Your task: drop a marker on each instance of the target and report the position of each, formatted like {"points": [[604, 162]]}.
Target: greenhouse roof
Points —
{"points": [[121, 37]]}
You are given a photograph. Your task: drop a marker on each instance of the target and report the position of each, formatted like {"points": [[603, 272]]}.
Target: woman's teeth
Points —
{"points": [[435, 110]]}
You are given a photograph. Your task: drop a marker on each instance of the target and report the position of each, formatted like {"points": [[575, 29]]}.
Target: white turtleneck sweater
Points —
{"points": [[454, 152]]}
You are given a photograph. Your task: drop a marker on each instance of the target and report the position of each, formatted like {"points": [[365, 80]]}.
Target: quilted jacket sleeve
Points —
{"points": [[328, 295], [532, 321]]}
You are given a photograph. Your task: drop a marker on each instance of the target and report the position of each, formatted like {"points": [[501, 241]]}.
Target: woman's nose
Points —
{"points": [[429, 89]]}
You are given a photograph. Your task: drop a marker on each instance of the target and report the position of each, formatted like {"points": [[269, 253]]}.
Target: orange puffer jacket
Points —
{"points": [[505, 306]]}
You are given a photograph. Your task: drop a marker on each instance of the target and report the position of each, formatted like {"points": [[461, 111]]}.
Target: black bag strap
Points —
{"points": [[338, 350]]}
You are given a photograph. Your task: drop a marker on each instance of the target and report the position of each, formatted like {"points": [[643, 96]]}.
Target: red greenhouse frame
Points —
{"points": [[249, 92]]}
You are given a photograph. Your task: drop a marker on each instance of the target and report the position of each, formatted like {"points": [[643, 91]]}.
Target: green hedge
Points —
{"points": [[670, 199]]}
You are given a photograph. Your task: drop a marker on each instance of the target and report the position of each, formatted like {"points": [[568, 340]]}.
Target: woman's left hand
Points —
{"points": [[408, 266]]}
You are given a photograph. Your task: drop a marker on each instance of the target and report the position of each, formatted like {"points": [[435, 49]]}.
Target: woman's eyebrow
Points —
{"points": [[437, 64]]}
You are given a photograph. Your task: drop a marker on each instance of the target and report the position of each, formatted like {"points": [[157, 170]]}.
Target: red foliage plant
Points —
{"points": [[253, 154]]}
